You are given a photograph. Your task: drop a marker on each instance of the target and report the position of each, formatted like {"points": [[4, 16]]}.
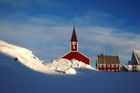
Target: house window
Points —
{"points": [[99, 66], [112, 65], [105, 65], [108, 65], [117, 66]]}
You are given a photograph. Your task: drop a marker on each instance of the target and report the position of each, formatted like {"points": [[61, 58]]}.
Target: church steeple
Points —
{"points": [[74, 41], [74, 53], [74, 38]]}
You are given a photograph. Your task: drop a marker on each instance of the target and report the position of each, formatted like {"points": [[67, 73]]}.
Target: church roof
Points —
{"points": [[78, 56], [135, 57], [74, 38]]}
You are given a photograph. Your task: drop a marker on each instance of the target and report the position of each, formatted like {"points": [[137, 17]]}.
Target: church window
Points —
{"points": [[73, 43]]}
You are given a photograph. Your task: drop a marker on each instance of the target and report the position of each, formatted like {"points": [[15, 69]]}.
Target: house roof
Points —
{"points": [[74, 38], [137, 56], [101, 59]]}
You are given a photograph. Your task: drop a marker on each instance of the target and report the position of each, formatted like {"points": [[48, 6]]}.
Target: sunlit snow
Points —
{"points": [[27, 58]]}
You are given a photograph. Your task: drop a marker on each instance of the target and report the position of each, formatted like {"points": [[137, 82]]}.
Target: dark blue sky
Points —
{"points": [[128, 10], [45, 26]]}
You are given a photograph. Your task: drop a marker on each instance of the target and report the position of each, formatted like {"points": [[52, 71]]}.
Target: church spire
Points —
{"points": [[74, 38]]}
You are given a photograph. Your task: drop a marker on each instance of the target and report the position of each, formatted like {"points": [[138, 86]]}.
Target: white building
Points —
{"points": [[134, 63], [135, 59]]}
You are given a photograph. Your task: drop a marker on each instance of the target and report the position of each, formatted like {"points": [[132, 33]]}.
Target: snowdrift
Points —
{"points": [[23, 56], [28, 59], [68, 66]]}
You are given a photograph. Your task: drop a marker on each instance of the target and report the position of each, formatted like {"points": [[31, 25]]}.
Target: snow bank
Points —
{"points": [[68, 66], [70, 71], [132, 67], [23, 56]]}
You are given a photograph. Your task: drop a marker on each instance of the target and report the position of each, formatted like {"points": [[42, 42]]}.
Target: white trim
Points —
{"points": [[65, 54], [84, 55], [75, 51]]}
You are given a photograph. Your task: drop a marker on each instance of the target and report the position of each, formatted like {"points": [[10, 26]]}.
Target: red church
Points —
{"points": [[74, 53]]}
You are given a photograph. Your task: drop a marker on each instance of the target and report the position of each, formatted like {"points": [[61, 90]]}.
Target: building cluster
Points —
{"points": [[103, 62]]}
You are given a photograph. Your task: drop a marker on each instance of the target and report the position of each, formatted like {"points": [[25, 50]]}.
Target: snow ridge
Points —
{"points": [[23, 56], [68, 66]]}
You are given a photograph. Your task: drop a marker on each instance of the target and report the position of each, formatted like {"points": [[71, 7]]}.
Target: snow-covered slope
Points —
{"points": [[68, 66], [26, 57], [23, 56]]}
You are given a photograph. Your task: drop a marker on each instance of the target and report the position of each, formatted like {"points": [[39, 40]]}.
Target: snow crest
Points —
{"points": [[67, 66], [23, 56]]}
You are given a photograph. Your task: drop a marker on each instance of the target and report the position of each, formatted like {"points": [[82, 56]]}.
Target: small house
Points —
{"points": [[107, 63]]}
